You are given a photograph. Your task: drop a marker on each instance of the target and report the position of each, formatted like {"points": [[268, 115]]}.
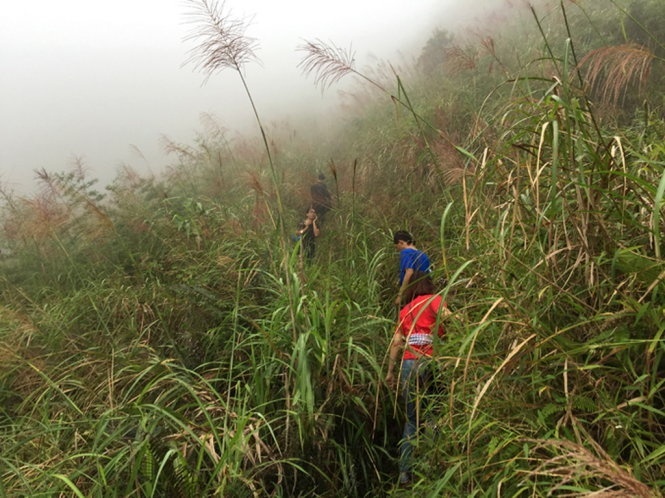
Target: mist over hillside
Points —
{"points": [[108, 101]]}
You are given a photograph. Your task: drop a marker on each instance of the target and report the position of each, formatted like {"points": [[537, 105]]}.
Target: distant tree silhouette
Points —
{"points": [[433, 55]]}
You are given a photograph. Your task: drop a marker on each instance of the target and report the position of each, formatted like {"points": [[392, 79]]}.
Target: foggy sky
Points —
{"points": [[104, 81]]}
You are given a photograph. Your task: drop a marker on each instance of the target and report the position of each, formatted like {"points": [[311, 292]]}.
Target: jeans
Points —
{"points": [[414, 377]]}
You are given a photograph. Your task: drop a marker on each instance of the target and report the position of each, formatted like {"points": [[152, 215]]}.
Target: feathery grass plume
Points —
{"points": [[459, 59], [613, 70], [329, 63], [212, 127], [222, 43], [183, 151]]}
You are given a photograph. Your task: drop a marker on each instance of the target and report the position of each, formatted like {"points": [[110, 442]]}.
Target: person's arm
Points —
{"points": [[405, 283], [396, 346], [315, 229]]}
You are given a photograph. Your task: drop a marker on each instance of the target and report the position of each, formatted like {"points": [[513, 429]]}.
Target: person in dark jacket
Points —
{"points": [[321, 198]]}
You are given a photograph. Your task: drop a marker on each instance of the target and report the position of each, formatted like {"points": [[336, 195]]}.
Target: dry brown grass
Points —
{"points": [[34, 219], [449, 162], [573, 461], [615, 70], [63, 205], [20, 360], [71, 192], [183, 151]]}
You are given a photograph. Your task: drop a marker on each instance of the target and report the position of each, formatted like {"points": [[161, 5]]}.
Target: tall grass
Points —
{"points": [[163, 341]]}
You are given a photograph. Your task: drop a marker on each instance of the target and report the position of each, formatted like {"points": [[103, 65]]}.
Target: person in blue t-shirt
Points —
{"points": [[411, 260]]}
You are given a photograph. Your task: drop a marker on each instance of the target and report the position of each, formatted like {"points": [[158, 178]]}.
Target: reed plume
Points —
{"points": [[222, 44], [611, 70], [221, 40], [459, 59], [330, 63]]}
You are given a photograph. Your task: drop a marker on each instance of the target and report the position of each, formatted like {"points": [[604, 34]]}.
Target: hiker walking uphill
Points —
{"points": [[412, 342], [411, 260], [307, 232], [321, 198]]}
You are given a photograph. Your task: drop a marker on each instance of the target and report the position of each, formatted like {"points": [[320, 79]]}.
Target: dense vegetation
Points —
{"points": [[163, 339]]}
